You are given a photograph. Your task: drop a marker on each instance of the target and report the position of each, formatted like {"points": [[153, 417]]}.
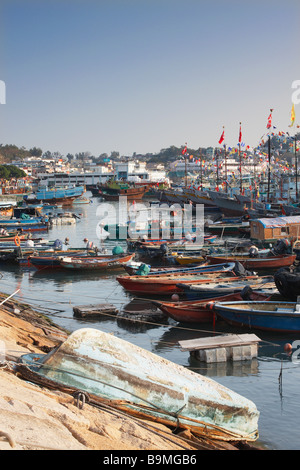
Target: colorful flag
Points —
{"points": [[292, 116], [269, 124], [222, 136], [184, 150], [240, 134]]}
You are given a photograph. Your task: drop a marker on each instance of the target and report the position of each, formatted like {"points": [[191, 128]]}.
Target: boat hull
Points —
{"points": [[259, 317], [95, 264], [256, 263], [159, 285], [200, 311], [146, 384]]}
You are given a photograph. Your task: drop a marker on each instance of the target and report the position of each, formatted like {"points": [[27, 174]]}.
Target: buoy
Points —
{"points": [[288, 348], [175, 297], [17, 240]]}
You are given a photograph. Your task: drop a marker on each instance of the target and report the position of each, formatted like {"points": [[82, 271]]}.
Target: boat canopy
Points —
{"points": [[279, 221]]}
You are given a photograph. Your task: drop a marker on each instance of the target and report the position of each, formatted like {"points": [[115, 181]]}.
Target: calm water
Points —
{"points": [[57, 293]]}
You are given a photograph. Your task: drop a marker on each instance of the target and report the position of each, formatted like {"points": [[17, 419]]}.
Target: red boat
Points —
{"points": [[263, 262], [201, 311], [161, 284]]}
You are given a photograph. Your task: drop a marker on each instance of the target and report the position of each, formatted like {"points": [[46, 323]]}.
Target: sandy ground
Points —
{"points": [[35, 418]]}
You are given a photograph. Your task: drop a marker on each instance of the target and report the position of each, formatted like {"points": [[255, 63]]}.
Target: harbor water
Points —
{"points": [[271, 381]]}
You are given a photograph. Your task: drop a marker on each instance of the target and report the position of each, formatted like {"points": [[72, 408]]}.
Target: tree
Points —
{"points": [[36, 152]]}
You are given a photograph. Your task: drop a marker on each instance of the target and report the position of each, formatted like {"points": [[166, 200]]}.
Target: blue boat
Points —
{"points": [[29, 225], [213, 290], [55, 195], [283, 317]]}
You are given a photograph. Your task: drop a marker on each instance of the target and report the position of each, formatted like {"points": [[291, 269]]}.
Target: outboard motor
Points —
{"points": [[281, 246]]}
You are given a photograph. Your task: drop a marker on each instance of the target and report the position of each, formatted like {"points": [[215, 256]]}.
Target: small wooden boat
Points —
{"points": [[129, 378], [54, 260], [201, 311], [166, 284], [283, 317], [95, 263], [133, 268], [263, 262], [213, 289]]}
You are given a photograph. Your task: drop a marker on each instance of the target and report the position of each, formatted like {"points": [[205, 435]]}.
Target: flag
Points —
{"points": [[222, 136], [240, 134], [184, 150], [292, 116], [269, 124]]}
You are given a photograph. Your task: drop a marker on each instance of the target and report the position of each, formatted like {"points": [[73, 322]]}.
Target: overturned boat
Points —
{"points": [[143, 384]]}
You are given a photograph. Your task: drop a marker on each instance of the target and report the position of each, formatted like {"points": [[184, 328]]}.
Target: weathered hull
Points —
{"points": [[258, 316], [256, 263], [146, 384]]}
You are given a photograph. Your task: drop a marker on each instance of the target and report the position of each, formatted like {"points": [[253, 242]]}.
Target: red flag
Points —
{"points": [[184, 150], [269, 124], [240, 134], [222, 137]]}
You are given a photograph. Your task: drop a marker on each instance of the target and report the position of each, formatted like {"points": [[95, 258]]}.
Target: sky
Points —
{"points": [[137, 76]]}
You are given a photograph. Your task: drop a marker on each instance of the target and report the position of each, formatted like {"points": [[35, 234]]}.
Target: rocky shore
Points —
{"points": [[35, 418]]}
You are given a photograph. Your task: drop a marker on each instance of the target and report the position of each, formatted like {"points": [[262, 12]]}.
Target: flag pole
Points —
{"points": [[240, 159], [225, 157], [269, 173]]}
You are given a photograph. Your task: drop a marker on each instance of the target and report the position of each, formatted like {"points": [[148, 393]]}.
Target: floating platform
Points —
{"points": [[222, 348], [94, 311]]}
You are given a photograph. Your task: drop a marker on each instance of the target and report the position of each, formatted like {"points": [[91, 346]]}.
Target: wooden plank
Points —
{"points": [[94, 310], [218, 342]]}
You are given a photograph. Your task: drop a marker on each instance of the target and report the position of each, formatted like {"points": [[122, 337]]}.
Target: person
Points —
{"points": [[89, 245], [253, 251]]}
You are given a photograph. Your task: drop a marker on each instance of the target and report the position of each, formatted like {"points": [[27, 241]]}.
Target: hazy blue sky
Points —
{"points": [[141, 75]]}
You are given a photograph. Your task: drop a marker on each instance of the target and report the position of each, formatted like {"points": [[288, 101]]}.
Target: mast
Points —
{"points": [[296, 166], [269, 169], [225, 159]]}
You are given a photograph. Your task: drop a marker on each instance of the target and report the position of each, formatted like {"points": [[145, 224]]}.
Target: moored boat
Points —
{"points": [[166, 284], [220, 287], [283, 317], [267, 261], [141, 383], [95, 263], [201, 311]]}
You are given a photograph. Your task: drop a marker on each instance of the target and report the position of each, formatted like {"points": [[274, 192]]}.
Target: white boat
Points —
{"points": [[146, 385]]}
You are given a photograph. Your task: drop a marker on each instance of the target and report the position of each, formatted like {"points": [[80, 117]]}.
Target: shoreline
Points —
{"points": [[33, 417]]}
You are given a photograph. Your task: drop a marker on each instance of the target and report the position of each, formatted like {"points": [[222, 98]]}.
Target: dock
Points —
{"points": [[222, 348]]}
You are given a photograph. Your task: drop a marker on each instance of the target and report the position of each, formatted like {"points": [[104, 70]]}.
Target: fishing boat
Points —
{"points": [[170, 284], [112, 190], [55, 195], [200, 311], [134, 380], [95, 263], [53, 260], [221, 287], [268, 261], [281, 317], [224, 227]]}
